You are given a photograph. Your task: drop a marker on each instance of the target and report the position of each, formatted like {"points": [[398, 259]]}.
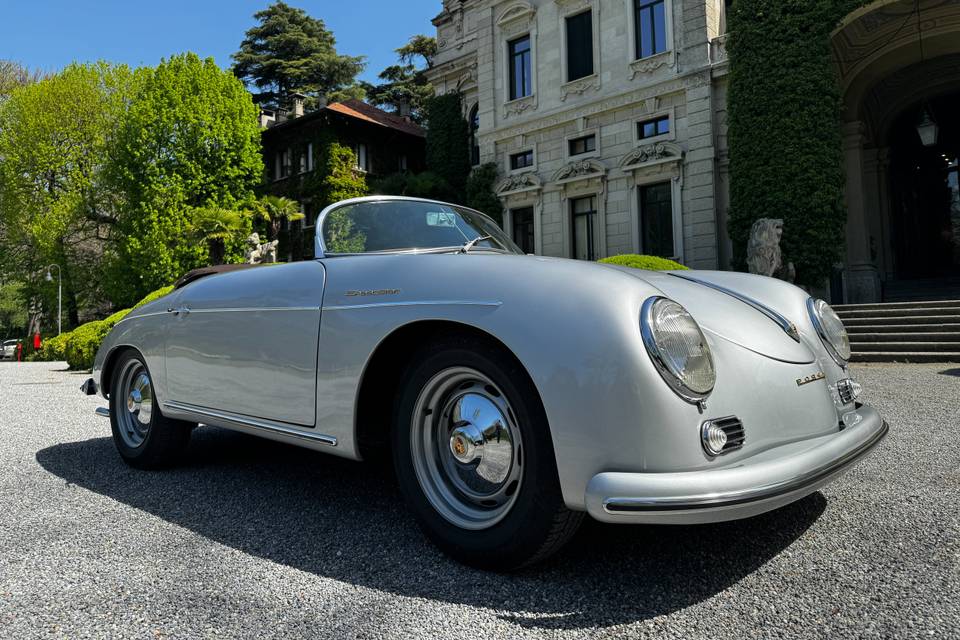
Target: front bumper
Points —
{"points": [[763, 482]]}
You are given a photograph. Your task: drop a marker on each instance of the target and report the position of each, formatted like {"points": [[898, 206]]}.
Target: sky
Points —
{"points": [[49, 34]]}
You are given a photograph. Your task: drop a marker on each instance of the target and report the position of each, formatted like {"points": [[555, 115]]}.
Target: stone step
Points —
{"points": [[912, 347], [894, 312], [905, 356], [949, 328], [901, 320], [920, 304], [858, 339]]}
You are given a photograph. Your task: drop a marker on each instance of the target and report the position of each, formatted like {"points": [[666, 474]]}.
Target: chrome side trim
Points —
{"points": [[254, 423], [788, 327], [766, 492], [103, 412], [252, 309], [414, 303]]}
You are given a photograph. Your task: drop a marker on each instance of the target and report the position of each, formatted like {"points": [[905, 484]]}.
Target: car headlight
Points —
{"points": [[678, 348], [831, 330]]}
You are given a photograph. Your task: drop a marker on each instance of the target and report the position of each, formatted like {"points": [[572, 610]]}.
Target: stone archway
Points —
{"points": [[877, 51]]}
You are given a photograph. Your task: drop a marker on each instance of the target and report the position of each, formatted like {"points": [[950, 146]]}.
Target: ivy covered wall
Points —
{"points": [[786, 156]]}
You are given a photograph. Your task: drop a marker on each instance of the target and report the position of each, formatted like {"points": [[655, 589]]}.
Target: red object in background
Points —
{"points": [[36, 341], [19, 352]]}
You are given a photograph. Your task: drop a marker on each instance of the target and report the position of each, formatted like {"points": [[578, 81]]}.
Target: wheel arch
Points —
{"points": [[381, 378]]}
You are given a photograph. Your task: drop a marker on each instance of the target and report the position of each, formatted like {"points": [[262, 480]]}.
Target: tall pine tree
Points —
{"points": [[290, 52]]}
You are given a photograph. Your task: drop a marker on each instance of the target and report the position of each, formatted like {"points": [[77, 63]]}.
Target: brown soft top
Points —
{"points": [[203, 272]]}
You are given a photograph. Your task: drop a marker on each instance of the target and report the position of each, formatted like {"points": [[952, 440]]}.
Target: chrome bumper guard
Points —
{"points": [[751, 486]]}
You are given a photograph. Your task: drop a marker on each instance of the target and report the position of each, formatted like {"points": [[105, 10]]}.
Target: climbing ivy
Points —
{"points": [[448, 150], [786, 159]]}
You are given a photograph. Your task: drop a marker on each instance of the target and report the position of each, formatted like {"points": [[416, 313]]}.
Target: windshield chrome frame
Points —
{"points": [[320, 251]]}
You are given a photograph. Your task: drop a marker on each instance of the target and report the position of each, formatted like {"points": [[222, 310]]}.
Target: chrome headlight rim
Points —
{"points": [[655, 352], [814, 312]]}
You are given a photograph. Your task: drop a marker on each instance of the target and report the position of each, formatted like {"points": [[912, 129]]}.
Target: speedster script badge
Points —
{"points": [[813, 377], [373, 292]]}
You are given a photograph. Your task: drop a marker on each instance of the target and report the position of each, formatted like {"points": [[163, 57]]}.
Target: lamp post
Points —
{"points": [[59, 293]]}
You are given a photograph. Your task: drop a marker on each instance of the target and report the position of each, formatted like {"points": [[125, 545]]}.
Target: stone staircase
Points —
{"points": [[916, 331]]}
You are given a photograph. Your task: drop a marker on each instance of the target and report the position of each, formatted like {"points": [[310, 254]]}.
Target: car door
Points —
{"points": [[245, 342]]}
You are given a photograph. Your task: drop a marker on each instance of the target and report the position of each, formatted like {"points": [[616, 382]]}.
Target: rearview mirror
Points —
{"points": [[441, 219]]}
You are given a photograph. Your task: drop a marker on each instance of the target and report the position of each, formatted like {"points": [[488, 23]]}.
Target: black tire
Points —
{"points": [[162, 441], [538, 523]]}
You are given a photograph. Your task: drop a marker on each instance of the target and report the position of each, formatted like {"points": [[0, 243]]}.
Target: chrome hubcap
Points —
{"points": [[466, 448], [135, 386]]}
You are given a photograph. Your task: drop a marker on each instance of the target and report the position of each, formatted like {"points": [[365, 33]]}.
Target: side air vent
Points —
{"points": [[722, 435]]}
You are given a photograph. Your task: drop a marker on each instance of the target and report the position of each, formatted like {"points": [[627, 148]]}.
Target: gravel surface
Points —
{"points": [[256, 539]]}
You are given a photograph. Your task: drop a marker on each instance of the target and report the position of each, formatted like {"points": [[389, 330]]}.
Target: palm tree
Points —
{"points": [[215, 225], [274, 209]]}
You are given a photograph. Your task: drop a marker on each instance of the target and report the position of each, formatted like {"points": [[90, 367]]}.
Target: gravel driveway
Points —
{"points": [[254, 539]]}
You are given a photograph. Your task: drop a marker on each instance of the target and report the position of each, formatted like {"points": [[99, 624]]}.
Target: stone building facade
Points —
{"points": [[605, 117]]}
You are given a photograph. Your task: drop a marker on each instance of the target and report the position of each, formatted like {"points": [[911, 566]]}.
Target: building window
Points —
{"points": [[656, 220], [362, 157], [303, 162], [583, 144], [310, 156], [584, 214], [521, 81], [521, 160], [653, 128], [284, 164], [650, 22], [521, 221], [474, 127], [402, 162], [579, 46]]}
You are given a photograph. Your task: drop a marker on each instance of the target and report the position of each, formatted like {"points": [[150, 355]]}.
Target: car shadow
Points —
{"points": [[951, 372], [346, 520]]}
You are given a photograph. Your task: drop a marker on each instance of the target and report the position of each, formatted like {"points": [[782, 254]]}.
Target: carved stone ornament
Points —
{"points": [[650, 64], [657, 152], [763, 250], [519, 182], [257, 253], [517, 107], [573, 6], [580, 170], [579, 87], [518, 12]]}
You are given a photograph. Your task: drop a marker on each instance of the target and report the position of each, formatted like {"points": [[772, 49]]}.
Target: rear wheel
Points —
{"points": [[144, 437], [473, 455]]}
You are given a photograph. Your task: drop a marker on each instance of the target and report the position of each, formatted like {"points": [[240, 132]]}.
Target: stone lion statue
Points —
{"points": [[257, 253], [763, 250]]}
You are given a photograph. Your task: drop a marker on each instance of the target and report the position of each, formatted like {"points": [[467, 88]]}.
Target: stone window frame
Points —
{"points": [[657, 174], [524, 201], [569, 8], [510, 171], [595, 131], [517, 20], [591, 182], [670, 136], [649, 64]]}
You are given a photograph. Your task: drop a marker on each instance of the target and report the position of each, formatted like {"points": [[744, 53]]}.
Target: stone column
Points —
{"points": [[861, 281]]}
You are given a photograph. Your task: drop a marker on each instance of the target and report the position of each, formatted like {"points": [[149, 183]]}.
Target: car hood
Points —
{"points": [[727, 317]]}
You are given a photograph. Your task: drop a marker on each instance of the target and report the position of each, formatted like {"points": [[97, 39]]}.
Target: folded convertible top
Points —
{"points": [[203, 272]]}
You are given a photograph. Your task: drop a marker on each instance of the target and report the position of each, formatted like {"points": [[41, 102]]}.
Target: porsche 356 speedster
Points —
{"points": [[514, 393]]}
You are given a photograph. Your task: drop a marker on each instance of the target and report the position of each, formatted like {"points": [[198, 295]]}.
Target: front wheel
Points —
{"points": [[474, 458], [144, 437]]}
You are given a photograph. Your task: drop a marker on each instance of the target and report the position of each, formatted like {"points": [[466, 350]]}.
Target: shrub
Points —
{"points": [[52, 348], [150, 297], [648, 263], [84, 341]]}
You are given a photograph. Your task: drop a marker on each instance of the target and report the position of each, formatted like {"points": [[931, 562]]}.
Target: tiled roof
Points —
{"points": [[363, 111]]}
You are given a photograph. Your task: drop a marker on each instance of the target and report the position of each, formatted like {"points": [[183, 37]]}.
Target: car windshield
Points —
{"points": [[403, 225]]}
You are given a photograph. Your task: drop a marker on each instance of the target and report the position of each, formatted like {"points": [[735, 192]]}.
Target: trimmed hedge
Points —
{"points": [[786, 157], [79, 347], [648, 263]]}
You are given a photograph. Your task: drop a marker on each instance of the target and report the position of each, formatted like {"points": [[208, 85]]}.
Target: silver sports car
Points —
{"points": [[514, 393]]}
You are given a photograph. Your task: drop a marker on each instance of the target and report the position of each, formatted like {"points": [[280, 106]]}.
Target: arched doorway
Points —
{"points": [[925, 193], [897, 59]]}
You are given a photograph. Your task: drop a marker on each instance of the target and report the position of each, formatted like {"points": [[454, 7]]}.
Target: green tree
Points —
{"points": [[448, 153], [54, 198], [290, 52], [480, 193], [406, 88], [274, 209], [189, 141], [217, 226]]}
